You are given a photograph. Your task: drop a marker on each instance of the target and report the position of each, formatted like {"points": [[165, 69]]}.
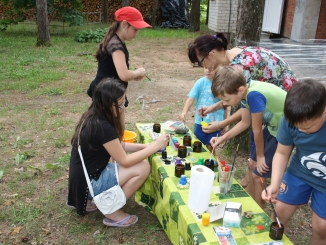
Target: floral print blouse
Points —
{"points": [[263, 65]]}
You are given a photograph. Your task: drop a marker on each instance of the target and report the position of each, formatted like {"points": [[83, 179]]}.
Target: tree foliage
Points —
{"points": [[63, 10]]}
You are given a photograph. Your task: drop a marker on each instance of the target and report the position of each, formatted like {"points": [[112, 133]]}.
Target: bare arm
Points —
{"points": [[227, 112], [257, 122], [119, 60], [215, 126], [237, 129], [280, 161], [118, 153], [186, 107], [208, 109]]}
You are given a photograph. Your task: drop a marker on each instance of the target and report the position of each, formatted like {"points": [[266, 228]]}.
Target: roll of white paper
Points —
{"points": [[201, 183]]}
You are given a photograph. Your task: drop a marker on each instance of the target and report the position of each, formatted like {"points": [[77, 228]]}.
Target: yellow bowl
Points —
{"points": [[129, 136]]}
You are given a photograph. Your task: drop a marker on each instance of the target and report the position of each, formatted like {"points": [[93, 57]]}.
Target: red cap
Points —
{"points": [[132, 15]]}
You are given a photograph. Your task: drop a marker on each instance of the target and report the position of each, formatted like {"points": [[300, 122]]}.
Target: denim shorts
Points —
{"points": [[203, 137], [270, 145], [294, 191], [106, 180]]}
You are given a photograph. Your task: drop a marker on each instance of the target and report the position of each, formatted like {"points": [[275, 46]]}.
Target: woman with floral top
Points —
{"points": [[257, 63]]}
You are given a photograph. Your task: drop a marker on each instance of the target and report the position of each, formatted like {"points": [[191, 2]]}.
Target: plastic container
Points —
{"points": [[129, 136]]}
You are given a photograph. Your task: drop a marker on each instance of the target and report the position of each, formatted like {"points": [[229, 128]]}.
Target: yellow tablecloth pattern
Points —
{"points": [[162, 196]]}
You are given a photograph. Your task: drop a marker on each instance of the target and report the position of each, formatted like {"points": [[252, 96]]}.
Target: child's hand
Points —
{"points": [[182, 117], [262, 167], [141, 73], [211, 128], [215, 141], [271, 194], [162, 141]]}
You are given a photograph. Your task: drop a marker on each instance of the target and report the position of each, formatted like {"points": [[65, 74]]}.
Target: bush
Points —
{"points": [[90, 36]]}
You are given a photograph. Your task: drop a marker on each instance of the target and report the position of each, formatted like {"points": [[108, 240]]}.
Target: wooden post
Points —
{"points": [[104, 16]]}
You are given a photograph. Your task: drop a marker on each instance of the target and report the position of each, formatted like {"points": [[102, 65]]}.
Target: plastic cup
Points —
{"points": [[225, 176]]}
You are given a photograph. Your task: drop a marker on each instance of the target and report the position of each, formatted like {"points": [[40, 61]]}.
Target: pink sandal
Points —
{"points": [[120, 223]]}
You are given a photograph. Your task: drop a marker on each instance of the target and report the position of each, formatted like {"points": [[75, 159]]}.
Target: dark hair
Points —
{"points": [[305, 100], [227, 80], [206, 43], [105, 96]]}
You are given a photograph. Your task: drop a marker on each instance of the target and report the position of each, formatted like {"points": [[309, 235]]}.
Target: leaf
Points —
{"points": [[17, 229], [1, 174]]}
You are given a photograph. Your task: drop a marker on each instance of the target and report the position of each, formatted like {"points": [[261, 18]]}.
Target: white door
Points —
{"points": [[273, 16]]}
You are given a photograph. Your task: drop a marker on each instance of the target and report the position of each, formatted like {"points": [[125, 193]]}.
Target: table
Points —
{"points": [[162, 196]]}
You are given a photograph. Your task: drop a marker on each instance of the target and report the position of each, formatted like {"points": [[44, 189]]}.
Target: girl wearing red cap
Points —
{"points": [[112, 54]]}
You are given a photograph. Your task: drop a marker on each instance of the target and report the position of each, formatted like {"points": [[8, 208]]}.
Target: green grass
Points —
{"points": [[42, 95]]}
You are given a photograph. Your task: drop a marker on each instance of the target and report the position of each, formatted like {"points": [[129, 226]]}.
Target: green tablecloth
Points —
{"points": [[162, 196]]}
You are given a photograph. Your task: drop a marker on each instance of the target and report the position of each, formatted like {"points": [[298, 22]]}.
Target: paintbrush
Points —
{"points": [[210, 158], [236, 154], [145, 74], [270, 201]]}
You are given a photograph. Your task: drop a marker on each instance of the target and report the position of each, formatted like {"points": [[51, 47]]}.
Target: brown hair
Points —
{"points": [[101, 49], [227, 80]]}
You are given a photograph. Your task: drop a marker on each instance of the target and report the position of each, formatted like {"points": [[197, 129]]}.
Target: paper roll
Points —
{"points": [[201, 183]]}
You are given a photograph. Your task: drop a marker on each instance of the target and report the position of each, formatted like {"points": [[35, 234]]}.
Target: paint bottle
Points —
{"points": [[275, 232], [179, 170], [197, 146], [182, 151], [209, 163], [164, 155], [187, 166], [200, 161], [205, 219], [178, 160], [187, 140], [183, 180], [157, 128]]}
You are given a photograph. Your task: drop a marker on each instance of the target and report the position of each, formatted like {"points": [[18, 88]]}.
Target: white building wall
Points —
{"points": [[219, 12]]}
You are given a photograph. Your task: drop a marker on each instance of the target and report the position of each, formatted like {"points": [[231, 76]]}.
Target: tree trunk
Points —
{"points": [[194, 16], [249, 22], [207, 12], [43, 32], [125, 3], [104, 19], [153, 19]]}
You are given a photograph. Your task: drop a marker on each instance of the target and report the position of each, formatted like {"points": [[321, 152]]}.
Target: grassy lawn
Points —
{"points": [[42, 95]]}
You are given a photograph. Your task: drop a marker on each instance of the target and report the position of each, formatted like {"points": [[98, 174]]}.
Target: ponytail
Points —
{"points": [[101, 49]]}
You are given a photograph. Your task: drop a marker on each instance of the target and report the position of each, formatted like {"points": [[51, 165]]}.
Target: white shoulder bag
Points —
{"points": [[110, 200]]}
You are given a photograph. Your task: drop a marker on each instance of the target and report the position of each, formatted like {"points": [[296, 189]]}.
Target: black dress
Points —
{"points": [[95, 157]]}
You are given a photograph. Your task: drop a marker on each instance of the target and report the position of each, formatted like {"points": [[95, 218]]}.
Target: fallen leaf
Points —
{"points": [[47, 232], [17, 230]]}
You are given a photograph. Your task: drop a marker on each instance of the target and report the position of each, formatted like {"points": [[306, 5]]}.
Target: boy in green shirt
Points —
{"points": [[261, 104]]}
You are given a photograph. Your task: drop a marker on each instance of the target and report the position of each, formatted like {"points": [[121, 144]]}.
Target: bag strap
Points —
{"points": [[84, 167]]}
